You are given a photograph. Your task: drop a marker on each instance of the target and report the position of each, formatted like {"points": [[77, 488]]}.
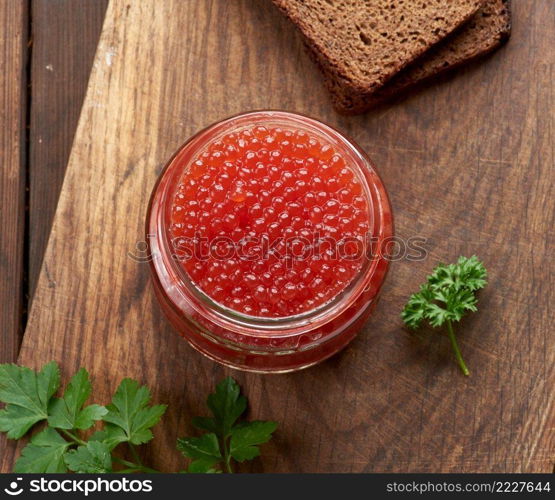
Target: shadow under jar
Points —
{"points": [[267, 233]]}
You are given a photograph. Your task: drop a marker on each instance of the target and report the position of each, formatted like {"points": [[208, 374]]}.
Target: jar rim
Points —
{"points": [[230, 319]]}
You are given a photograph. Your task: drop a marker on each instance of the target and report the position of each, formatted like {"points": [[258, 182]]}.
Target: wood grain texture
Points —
{"points": [[65, 36], [13, 98], [469, 166], [13, 102]]}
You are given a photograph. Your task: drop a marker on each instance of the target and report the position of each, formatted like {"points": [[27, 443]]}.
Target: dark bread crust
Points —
{"points": [[360, 44], [485, 32]]}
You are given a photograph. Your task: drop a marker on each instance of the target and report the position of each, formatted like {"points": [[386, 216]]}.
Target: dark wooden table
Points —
{"points": [[47, 48]]}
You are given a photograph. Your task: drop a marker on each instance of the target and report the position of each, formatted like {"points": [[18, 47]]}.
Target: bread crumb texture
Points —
{"points": [[487, 30], [361, 44]]}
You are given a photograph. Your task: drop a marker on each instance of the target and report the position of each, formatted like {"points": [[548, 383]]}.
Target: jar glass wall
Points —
{"points": [[268, 328]]}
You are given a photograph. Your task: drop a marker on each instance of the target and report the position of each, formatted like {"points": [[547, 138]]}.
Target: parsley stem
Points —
{"points": [[455, 346], [227, 456], [135, 454], [73, 437]]}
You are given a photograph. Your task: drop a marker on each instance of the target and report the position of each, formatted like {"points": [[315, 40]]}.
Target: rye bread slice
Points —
{"points": [[487, 30], [360, 44]]}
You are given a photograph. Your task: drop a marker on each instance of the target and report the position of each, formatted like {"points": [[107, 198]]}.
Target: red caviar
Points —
{"points": [[267, 220], [266, 233]]}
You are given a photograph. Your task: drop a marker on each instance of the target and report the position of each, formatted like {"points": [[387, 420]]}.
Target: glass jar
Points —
{"points": [[267, 344]]}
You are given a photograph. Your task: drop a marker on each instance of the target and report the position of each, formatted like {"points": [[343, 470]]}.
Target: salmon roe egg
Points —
{"points": [[270, 222]]}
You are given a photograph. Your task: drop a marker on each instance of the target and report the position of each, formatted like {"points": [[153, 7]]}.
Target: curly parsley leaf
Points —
{"points": [[202, 467], [67, 412], [447, 295], [129, 417], [44, 453], [26, 394], [93, 458], [226, 439]]}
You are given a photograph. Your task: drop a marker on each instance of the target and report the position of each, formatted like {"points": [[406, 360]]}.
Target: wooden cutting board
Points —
{"points": [[469, 167]]}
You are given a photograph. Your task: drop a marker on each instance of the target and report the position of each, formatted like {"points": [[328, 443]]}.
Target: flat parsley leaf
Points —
{"points": [[227, 405], [129, 417], [246, 437], [226, 438], [26, 394], [44, 453], [447, 294], [94, 458], [111, 436], [201, 466], [67, 412], [204, 450]]}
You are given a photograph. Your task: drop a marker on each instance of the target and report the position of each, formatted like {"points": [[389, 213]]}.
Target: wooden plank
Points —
{"points": [[13, 97], [13, 102], [469, 167], [65, 36]]}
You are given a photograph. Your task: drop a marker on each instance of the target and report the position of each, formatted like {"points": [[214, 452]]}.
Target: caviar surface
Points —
{"points": [[266, 221]]}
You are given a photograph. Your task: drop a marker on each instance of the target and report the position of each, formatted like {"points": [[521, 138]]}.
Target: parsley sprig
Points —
{"points": [[60, 445], [226, 439], [446, 296], [29, 398]]}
